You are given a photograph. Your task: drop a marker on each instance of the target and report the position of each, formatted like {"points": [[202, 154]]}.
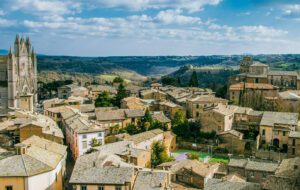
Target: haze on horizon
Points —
{"points": [[153, 27]]}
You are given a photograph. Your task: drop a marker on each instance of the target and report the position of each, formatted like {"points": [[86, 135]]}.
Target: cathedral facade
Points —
{"points": [[18, 77]]}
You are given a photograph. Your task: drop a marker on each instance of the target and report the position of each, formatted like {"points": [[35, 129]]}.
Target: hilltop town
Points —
{"points": [[124, 136]]}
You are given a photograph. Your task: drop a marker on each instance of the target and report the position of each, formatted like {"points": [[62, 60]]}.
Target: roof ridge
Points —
{"points": [[24, 165]]}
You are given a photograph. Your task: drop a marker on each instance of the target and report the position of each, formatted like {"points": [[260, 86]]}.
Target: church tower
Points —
{"points": [[245, 63], [22, 75]]}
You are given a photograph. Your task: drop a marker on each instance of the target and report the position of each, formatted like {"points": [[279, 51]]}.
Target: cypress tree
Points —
{"points": [[194, 80]]}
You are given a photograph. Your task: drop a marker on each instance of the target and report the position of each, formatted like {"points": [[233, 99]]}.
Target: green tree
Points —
{"points": [[179, 118], [118, 80], [158, 125], [159, 154], [121, 94], [131, 129], [193, 156], [103, 100], [194, 80], [95, 142]]}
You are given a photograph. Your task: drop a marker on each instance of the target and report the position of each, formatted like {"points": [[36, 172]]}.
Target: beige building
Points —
{"points": [[66, 91], [110, 117], [253, 171], [23, 124], [233, 141], [37, 164], [256, 72], [18, 77], [190, 173], [218, 119], [134, 103], [275, 127], [99, 170], [289, 101], [243, 90], [294, 144], [287, 176], [128, 152], [95, 90], [169, 108], [199, 104]]}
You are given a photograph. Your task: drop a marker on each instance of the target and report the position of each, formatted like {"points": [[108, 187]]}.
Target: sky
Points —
{"points": [[153, 27]]}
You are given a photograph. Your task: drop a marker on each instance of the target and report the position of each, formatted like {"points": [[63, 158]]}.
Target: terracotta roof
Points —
{"points": [[260, 86]]}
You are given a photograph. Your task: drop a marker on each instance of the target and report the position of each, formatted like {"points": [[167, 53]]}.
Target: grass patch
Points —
{"points": [[219, 160], [202, 155]]}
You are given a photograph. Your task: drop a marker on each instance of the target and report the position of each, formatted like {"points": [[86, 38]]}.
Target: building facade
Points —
{"points": [[18, 77]]}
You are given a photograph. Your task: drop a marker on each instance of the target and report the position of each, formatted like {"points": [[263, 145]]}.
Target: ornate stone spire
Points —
{"points": [[17, 39]]}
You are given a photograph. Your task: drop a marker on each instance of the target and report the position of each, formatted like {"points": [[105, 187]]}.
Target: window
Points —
{"points": [[99, 134], [283, 133], [9, 187], [263, 132], [197, 106], [118, 187], [294, 142], [264, 174], [251, 174], [293, 151], [197, 114], [100, 187], [84, 144], [83, 187], [84, 136]]}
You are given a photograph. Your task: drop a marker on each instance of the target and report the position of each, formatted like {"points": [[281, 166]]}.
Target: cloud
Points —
{"points": [[291, 10], [4, 23], [189, 5], [45, 7], [175, 16], [2, 13], [263, 31]]}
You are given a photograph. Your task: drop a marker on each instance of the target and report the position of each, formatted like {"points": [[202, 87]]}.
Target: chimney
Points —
{"points": [[21, 148]]}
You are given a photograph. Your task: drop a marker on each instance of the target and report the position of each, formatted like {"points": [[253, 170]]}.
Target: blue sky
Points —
{"points": [[153, 27]]}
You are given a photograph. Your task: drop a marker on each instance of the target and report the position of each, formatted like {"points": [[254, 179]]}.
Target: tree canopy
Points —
{"points": [[103, 100], [121, 94], [159, 154]]}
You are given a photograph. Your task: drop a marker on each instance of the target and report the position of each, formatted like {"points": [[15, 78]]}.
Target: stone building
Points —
{"points": [[287, 176], [100, 170], [256, 72], [18, 77], [190, 173], [275, 128], [37, 164], [294, 144], [251, 90], [253, 171], [199, 104], [233, 141]]}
